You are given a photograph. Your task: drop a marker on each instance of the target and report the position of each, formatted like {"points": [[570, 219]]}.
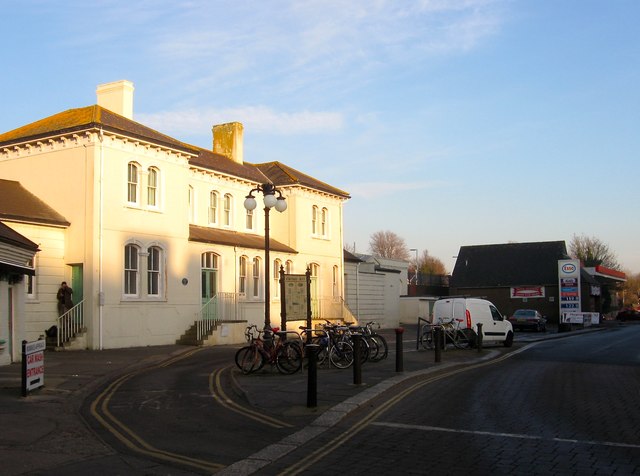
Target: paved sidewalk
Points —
{"points": [[45, 430]]}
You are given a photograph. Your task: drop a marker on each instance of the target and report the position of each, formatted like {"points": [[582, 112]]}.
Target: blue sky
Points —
{"points": [[450, 122]]}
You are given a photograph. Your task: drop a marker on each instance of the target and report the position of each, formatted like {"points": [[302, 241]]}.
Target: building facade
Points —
{"points": [[157, 237]]}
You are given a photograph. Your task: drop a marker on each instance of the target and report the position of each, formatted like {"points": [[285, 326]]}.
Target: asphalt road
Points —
{"points": [[565, 406], [558, 407]]}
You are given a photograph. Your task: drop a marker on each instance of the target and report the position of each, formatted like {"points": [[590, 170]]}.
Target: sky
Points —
{"points": [[449, 122]]}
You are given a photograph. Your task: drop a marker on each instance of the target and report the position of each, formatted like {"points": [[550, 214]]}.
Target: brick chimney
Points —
{"points": [[117, 97], [227, 141]]}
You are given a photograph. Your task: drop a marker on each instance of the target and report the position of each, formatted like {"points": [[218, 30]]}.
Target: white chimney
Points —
{"points": [[117, 97]]}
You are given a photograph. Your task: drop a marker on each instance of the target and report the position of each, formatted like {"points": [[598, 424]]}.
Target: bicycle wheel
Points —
{"points": [[383, 348], [249, 360], [289, 358], [427, 337], [323, 350], [461, 339], [341, 355], [374, 348], [365, 349]]}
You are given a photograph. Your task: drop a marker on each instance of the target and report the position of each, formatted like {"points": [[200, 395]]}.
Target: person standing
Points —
{"points": [[65, 301]]}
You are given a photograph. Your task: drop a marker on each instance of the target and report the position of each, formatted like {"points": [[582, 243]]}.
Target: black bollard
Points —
{"points": [[312, 377], [437, 337], [357, 360], [479, 337], [399, 350]]}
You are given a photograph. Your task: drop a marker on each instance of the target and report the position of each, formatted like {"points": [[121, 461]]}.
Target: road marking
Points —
{"points": [[503, 435], [100, 411], [218, 394], [317, 455]]}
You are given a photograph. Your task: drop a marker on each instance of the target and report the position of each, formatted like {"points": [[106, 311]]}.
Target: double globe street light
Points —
{"points": [[269, 192]]}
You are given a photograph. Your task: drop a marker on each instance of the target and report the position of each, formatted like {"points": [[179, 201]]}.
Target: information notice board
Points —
{"points": [[295, 293]]}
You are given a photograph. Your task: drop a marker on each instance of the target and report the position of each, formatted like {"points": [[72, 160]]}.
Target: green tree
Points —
{"points": [[592, 251]]}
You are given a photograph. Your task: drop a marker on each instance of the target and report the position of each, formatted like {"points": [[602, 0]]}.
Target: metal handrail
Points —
{"points": [[70, 323], [222, 306]]}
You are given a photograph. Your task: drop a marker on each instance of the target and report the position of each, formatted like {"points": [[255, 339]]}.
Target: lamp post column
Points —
{"points": [[267, 289]]}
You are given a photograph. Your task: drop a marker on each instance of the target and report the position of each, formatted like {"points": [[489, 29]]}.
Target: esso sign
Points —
{"points": [[568, 268]]}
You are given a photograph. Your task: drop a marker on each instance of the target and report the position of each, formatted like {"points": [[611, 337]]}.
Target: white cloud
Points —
{"points": [[296, 44], [255, 118]]}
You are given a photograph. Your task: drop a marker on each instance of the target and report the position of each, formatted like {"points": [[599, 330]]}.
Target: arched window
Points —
{"points": [[249, 220], [242, 274], [154, 271], [213, 208], [335, 282], [288, 267], [276, 277], [314, 220], [228, 201], [255, 274], [133, 182], [323, 222], [152, 187], [131, 267]]}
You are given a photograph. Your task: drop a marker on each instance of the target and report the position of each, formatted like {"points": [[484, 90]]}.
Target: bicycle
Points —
{"points": [[268, 346], [451, 333], [334, 344]]}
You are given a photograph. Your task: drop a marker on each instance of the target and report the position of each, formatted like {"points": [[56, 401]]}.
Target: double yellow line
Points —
{"points": [[100, 411], [323, 451], [219, 395]]}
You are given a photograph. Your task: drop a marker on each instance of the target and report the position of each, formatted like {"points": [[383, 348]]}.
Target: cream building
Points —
{"points": [[154, 237]]}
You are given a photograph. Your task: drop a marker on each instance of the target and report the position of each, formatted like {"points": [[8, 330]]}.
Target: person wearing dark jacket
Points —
{"points": [[64, 296]]}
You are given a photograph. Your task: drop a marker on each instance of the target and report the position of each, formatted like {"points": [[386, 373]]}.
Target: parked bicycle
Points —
{"points": [[268, 346], [451, 333], [334, 344]]}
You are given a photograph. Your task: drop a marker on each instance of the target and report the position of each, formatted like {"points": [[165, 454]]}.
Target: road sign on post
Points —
{"points": [[32, 365]]}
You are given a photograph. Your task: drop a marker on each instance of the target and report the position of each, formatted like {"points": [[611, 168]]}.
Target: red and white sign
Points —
{"points": [[523, 292], [34, 368]]}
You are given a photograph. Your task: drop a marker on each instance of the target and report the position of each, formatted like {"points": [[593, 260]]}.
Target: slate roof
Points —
{"points": [[511, 264], [74, 120], [18, 204], [350, 257], [12, 237], [96, 117], [281, 174], [203, 234]]}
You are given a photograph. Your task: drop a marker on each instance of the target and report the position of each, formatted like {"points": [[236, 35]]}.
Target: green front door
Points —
{"points": [[76, 283]]}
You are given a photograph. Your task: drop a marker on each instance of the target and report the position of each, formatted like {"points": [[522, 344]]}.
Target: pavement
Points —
{"points": [[45, 429]]}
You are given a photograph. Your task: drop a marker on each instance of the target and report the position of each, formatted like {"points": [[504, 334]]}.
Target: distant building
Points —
{"points": [[17, 254], [373, 287], [151, 232], [523, 275]]}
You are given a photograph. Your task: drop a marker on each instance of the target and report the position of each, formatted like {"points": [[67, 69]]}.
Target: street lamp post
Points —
{"points": [[268, 191]]}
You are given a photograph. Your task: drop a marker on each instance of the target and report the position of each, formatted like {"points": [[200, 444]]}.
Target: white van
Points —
{"points": [[468, 312]]}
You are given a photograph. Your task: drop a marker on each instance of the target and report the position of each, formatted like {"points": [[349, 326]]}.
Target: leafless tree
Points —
{"points": [[592, 251], [387, 244], [631, 290]]}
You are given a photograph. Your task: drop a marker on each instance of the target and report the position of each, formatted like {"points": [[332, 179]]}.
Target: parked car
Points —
{"points": [[628, 314], [528, 319]]}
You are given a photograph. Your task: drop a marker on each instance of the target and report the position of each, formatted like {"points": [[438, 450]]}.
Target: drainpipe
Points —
{"points": [[100, 257], [358, 290]]}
